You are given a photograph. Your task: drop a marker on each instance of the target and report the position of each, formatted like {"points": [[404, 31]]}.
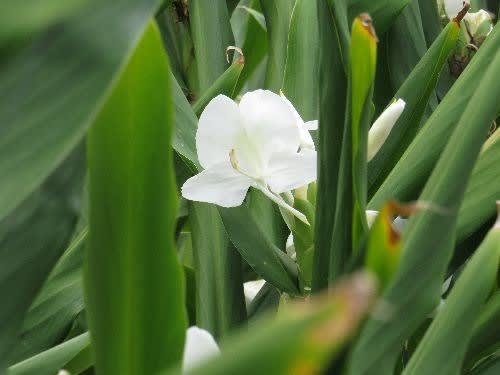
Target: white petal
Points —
{"points": [[382, 127], [298, 118], [288, 171], [311, 125], [218, 128], [220, 184], [371, 215], [453, 7], [200, 346], [251, 288], [475, 19], [269, 122], [306, 141]]}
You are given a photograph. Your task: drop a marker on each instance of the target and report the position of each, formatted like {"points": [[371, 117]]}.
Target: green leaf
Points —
{"points": [[220, 303], [132, 277], [81, 59], [225, 85], [32, 238], [277, 14], [482, 191], [489, 367], [300, 82], [416, 91], [302, 339], [211, 33], [452, 328], [410, 173], [52, 360], [416, 287], [249, 231], [383, 12], [332, 103], [430, 20]]}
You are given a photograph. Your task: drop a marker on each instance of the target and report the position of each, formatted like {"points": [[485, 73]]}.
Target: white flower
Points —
{"points": [[253, 143], [306, 141], [199, 346], [382, 127], [453, 7], [474, 20]]}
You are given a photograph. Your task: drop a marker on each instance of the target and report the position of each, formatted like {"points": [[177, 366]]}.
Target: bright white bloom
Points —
{"points": [[382, 127], [251, 289], [453, 7], [474, 20], [253, 143], [199, 346], [306, 141]]}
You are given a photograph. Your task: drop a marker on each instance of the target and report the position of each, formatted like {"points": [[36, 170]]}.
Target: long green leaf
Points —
{"points": [[81, 59], [211, 33], [452, 328], [332, 103], [52, 360], [133, 280], [408, 176], [416, 287], [300, 82], [416, 91], [383, 12], [277, 14]]}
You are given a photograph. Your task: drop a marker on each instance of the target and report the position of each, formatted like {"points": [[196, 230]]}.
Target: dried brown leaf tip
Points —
{"points": [[460, 16], [367, 22], [241, 58]]}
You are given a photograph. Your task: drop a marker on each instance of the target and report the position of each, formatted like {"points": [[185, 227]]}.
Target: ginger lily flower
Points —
{"points": [[382, 127], [199, 346], [306, 141], [251, 144]]}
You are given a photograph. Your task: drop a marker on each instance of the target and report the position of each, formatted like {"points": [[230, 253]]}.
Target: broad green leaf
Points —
{"points": [[220, 303], [452, 328], [485, 338], [300, 82], [51, 361], [482, 191], [81, 59], [416, 287], [410, 173], [383, 12], [416, 91], [57, 305], [32, 238], [430, 20], [132, 277], [350, 224], [332, 107], [225, 84], [211, 33], [248, 227], [277, 15], [301, 340]]}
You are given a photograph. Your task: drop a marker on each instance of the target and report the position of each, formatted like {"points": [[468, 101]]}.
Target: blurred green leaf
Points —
{"points": [[277, 15], [452, 328], [332, 108], [51, 361], [489, 367], [407, 177], [300, 82], [416, 91], [211, 33], [133, 280], [303, 338], [430, 20], [81, 58], [416, 287]]}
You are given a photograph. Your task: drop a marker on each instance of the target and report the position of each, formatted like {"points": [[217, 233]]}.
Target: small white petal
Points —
{"points": [[311, 125], [288, 171], [219, 184], [269, 122], [219, 126], [252, 288], [200, 346], [453, 7], [371, 215], [382, 127]]}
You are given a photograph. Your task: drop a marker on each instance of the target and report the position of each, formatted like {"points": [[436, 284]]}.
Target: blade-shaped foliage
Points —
{"points": [[383, 12], [133, 280]]}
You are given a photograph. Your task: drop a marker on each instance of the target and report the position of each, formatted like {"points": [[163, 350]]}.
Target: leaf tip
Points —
{"points": [[367, 23], [460, 16], [241, 58]]}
